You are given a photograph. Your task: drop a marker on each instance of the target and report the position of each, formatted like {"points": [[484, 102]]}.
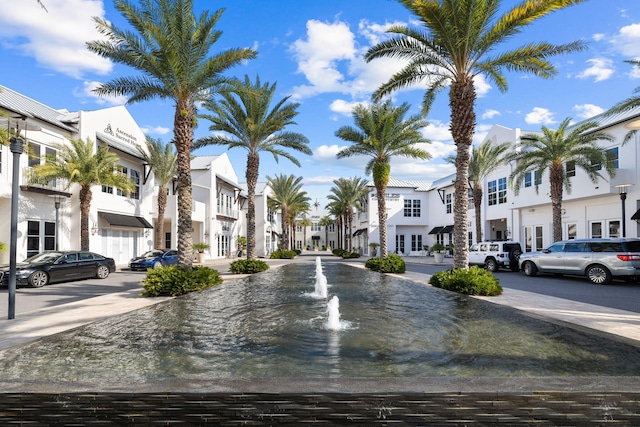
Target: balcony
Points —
{"points": [[55, 186], [227, 212]]}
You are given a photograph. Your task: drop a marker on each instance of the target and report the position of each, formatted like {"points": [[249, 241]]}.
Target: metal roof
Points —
{"points": [[26, 107]]}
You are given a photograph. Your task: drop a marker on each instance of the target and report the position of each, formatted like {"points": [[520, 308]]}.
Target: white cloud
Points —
{"points": [[586, 111], [601, 69], [437, 131], [481, 85], [490, 114], [374, 32], [627, 41], [597, 37], [539, 116], [55, 38], [318, 56], [155, 130], [87, 92], [343, 107], [327, 153]]}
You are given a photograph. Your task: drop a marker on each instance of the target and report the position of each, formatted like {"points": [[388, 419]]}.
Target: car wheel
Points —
{"points": [[38, 279], [599, 275], [529, 268], [102, 272], [157, 264], [491, 265]]}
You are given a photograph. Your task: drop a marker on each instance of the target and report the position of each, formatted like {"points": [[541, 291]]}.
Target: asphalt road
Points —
{"points": [[619, 294], [30, 299]]}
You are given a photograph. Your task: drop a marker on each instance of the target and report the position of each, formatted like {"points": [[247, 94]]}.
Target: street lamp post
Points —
{"points": [[16, 147]]}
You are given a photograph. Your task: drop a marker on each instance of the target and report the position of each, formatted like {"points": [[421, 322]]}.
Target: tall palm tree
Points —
{"points": [[304, 223], [551, 151], [288, 197], [77, 163], [325, 222], [249, 121], [163, 163], [348, 194], [485, 159], [382, 132], [459, 42], [170, 47]]}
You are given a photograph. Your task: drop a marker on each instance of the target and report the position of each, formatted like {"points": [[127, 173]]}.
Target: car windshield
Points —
{"points": [[151, 254], [45, 257]]}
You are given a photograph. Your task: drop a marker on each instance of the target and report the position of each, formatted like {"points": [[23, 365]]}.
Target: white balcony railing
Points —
{"points": [[228, 212], [29, 179]]}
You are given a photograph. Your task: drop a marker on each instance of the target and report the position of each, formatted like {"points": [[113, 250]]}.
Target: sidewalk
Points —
{"points": [[51, 320]]}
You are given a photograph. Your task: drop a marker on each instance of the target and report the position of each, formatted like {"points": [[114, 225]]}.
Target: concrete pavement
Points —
{"points": [[51, 320]]}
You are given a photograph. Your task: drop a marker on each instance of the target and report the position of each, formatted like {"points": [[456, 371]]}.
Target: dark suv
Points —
{"points": [[495, 254], [599, 259]]}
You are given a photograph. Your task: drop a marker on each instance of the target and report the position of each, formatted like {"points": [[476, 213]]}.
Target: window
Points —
{"points": [[298, 228], [572, 231], [331, 228], [448, 202], [539, 243], [570, 168], [596, 230], [399, 243], [497, 191], [612, 158], [412, 208], [41, 236], [492, 192], [135, 177], [502, 190], [34, 154], [167, 240], [614, 228], [122, 170], [315, 227], [416, 242]]}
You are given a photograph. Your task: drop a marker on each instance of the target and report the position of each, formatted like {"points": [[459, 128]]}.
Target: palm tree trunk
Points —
{"points": [[462, 97], [85, 206], [477, 203], [381, 193], [183, 137], [253, 166], [555, 194], [285, 229], [162, 204]]}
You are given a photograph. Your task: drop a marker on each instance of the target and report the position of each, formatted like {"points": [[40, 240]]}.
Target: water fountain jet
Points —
{"points": [[333, 310]]}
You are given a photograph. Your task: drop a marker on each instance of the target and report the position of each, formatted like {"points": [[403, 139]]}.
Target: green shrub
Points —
{"points": [[248, 266], [338, 252], [347, 254], [391, 264], [474, 281], [178, 280], [283, 254]]}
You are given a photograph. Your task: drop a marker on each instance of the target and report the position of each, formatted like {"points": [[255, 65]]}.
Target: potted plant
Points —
{"points": [[374, 248], [200, 247], [438, 252], [425, 248]]}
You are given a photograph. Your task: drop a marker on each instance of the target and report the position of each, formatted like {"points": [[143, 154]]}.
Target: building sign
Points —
{"points": [[390, 196], [121, 135]]}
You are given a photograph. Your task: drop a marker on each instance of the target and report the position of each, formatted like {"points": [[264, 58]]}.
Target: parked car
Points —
{"points": [[601, 260], [59, 266], [154, 259], [495, 254]]}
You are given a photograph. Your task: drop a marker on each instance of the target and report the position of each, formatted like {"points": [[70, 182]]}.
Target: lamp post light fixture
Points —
{"points": [[17, 147], [622, 189]]}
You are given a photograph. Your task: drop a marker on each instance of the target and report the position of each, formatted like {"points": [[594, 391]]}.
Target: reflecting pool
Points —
{"points": [[274, 324]]}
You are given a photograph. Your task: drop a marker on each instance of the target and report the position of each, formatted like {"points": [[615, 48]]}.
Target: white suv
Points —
{"points": [[495, 254]]}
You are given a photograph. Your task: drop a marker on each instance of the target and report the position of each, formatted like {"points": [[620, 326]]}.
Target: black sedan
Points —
{"points": [[50, 267]]}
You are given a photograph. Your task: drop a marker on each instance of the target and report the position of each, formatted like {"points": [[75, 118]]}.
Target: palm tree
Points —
{"points": [[484, 160], [170, 46], [460, 42], [304, 223], [348, 194], [335, 208], [163, 163], [78, 164], [287, 195], [381, 133], [247, 117], [325, 222], [551, 151]]}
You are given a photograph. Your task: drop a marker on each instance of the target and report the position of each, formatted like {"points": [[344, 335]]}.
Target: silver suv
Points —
{"points": [[495, 254], [599, 259]]}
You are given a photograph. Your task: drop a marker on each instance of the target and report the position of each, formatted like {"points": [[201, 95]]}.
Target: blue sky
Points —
{"points": [[314, 51]]}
